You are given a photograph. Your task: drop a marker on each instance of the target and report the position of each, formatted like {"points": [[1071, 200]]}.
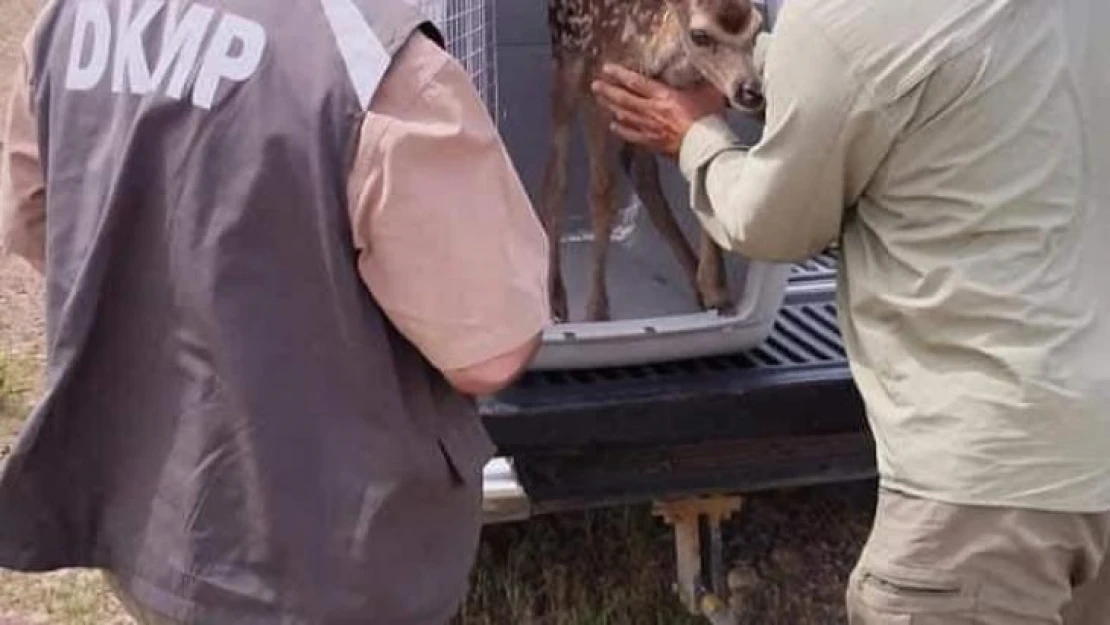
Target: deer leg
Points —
{"points": [[564, 99], [712, 279], [643, 170], [603, 207]]}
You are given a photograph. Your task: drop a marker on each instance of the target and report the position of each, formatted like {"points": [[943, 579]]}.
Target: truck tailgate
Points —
{"points": [[785, 413]]}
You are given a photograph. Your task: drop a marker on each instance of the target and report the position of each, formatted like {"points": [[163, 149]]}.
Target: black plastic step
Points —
{"points": [[569, 481]]}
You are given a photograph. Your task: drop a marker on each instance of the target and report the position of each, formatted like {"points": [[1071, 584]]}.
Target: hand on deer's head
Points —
{"points": [[650, 114]]}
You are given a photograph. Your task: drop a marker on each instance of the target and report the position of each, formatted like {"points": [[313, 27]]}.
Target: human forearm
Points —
{"points": [[493, 375], [22, 194], [740, 203]]}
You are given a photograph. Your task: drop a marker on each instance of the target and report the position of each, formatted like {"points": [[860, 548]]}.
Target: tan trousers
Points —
{"points": [[931, 563]]}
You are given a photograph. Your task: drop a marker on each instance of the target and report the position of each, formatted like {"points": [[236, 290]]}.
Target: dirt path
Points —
{"points": [[21, 322], [15, 16]]}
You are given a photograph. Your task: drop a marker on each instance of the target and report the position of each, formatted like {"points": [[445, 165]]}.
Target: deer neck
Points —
{"points": [[663, 54]]}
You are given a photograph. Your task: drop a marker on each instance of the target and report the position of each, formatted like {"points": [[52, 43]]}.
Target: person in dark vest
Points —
{"points": [[284, 248]]}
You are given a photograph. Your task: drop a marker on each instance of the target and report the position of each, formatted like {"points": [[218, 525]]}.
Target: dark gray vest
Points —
{"points": [[230, 423]]}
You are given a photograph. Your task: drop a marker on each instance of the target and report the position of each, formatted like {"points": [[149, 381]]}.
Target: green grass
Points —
{"points": [[17, 377], [611, 567]]}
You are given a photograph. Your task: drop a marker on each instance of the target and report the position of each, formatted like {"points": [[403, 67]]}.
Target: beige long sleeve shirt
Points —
{"points": [[957, 148], [447, 240]]}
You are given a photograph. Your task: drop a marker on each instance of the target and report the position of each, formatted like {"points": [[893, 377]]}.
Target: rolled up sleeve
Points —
{"points": [[783, 198], [22, 189], [448, 242]]}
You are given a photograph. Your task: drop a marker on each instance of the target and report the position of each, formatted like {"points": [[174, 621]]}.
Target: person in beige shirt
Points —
{"points": [[956, 150]]}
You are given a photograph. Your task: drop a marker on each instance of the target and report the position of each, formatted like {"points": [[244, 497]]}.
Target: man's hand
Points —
{"points": [[651, 114]]}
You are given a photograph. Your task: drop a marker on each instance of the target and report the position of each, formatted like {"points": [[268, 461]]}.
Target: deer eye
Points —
{"points": [[701, 38]]}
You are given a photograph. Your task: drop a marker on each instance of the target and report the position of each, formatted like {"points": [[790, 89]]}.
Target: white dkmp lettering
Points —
{"points": [[102, 40], [92, 28], [181, 42], [219, 62], [130, 62]]}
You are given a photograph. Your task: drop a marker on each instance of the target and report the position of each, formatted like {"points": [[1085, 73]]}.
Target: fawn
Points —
{"points": [[679, 42]]}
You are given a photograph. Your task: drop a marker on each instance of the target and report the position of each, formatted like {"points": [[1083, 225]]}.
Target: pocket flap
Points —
{"points": [[915, 591]]}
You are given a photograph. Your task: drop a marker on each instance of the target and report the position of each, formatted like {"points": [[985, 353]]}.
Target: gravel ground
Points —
{"points": [[15, 16], [21, 326], [792, 551]]}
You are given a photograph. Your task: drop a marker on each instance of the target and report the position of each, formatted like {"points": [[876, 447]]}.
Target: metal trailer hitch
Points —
{"points": [[702, 583]]}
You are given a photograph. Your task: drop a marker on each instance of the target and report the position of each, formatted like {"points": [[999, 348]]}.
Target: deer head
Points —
{"points": [[711, 40]]}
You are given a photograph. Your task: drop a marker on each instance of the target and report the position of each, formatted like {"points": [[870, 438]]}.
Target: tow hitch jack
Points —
{"points": [[702, 583]]}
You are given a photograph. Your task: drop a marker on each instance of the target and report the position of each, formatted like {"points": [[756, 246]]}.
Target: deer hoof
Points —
{"points": [[559, 315], [598, 311], [558, 296], [716, 300]]}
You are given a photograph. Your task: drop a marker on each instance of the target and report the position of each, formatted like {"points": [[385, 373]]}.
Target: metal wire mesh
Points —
{"points": [[468, 27]]}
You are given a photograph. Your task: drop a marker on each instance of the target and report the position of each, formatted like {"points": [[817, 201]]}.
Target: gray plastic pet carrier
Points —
{"points": [[505, 46]]}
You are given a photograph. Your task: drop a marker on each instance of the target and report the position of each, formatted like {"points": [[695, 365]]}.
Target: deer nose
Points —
{"points": [[750, 95]]}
